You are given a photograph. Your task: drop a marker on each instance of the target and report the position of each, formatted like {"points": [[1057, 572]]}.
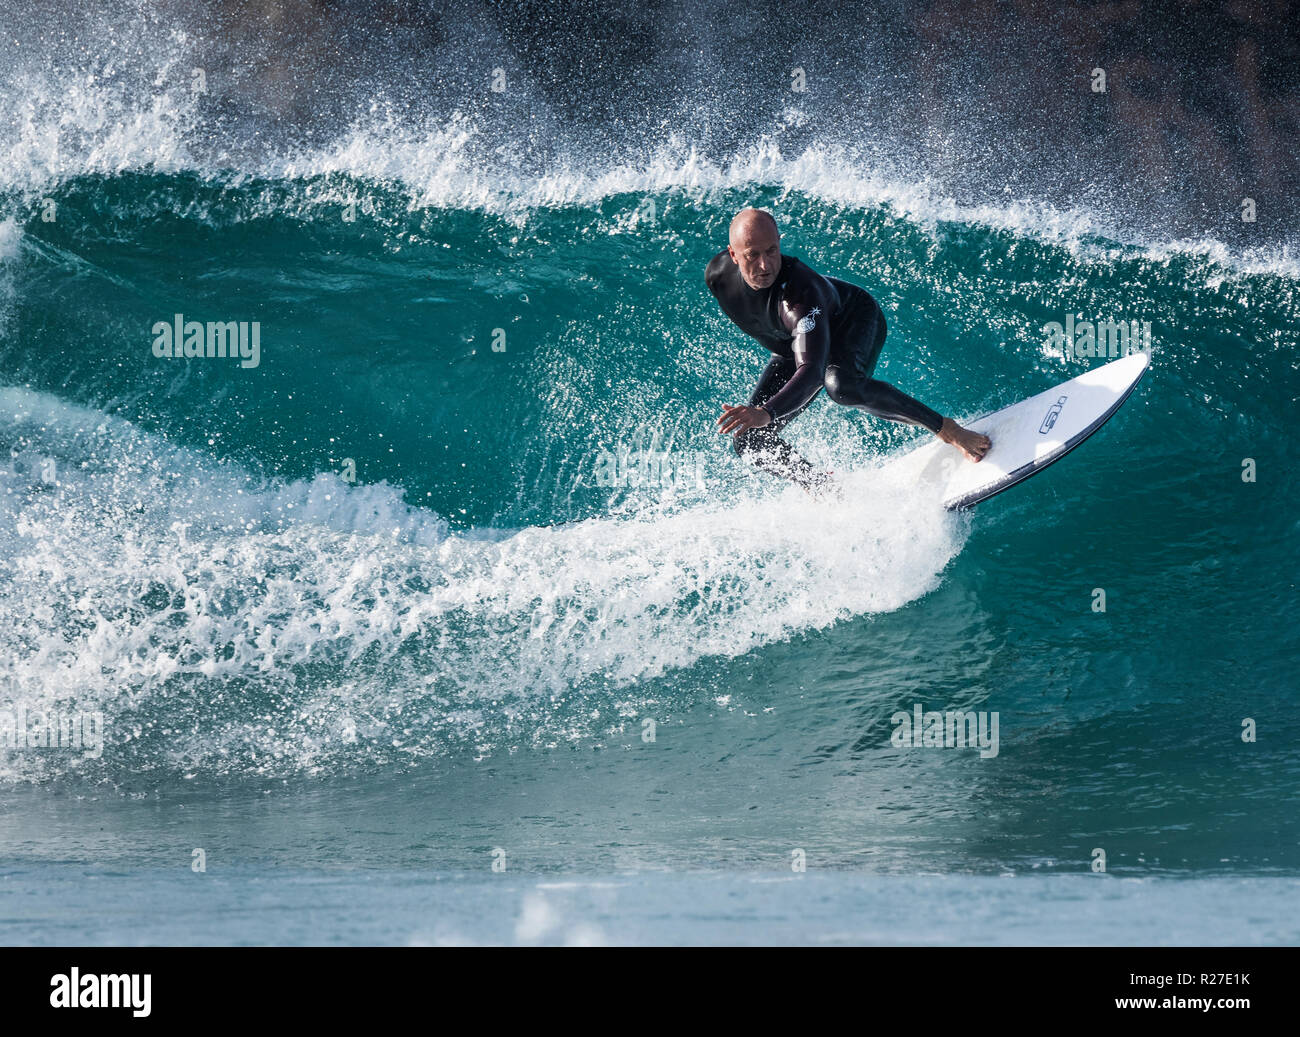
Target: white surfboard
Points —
{"points": [[1027, 436]]}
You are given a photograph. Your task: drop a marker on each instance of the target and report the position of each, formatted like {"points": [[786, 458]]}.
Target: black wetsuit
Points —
{"points": [[824, 332]]}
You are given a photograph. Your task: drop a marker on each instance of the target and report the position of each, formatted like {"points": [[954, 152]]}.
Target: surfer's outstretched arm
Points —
{"points": [[788, 385], [763, 444], [811, 346]]}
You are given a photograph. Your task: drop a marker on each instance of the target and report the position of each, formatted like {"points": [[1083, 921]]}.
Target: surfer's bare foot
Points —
{"points": [[973, 444]]}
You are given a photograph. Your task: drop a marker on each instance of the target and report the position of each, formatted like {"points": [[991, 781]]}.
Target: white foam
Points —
{"points": [[279, 627], [11, 236], [70, 124]]}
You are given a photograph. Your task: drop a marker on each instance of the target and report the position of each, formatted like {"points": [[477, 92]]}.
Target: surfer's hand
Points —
{"points": [[738, 419]]}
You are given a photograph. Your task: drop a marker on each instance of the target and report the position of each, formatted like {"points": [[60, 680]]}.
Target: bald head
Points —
{"points": [[755, 247], [744, 223]]}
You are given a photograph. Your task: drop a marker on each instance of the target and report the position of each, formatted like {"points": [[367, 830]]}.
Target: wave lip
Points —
{"points": [[82, 127]]}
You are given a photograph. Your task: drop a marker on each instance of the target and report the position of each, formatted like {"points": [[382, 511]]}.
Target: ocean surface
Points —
{"points": [[372, 648]]}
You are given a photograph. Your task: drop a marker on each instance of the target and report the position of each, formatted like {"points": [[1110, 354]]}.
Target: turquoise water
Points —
{"points": [[357, 617]]}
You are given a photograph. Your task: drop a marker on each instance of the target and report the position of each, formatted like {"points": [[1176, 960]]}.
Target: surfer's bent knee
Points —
{"points": [[838, 387]]}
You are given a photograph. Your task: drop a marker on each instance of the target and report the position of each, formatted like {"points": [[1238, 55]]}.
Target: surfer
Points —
{"points": [[824, 332]]}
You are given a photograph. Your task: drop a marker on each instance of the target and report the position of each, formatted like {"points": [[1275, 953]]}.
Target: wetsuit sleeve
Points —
{"points": [[810, 323]]}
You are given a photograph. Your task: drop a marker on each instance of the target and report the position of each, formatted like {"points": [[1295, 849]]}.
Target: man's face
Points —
{"points": [[756, 249]]}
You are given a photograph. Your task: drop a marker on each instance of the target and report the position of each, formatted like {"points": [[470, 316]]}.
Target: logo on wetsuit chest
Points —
{"points": [[807, 322], [1053, 413]]}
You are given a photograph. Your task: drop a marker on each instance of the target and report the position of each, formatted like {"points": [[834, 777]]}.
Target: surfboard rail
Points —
{"points": [[1028, 436], [968, 500]]}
